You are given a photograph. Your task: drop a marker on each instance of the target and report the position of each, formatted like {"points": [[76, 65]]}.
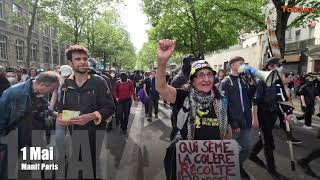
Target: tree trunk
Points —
{"points": [[199, 40], [281, 27], [29, 33]]}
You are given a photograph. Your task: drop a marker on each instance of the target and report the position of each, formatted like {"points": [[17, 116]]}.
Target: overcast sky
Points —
{"points": [[135, 22]]}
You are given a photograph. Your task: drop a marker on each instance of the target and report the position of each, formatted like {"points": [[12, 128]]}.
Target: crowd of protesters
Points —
{"points": [[104, 99]]}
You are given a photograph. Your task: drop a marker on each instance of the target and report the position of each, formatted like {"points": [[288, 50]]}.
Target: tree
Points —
{"points": [[74, 16], [146, 56], [282, 18], [110, 41], [201, 26], [38, 14]]}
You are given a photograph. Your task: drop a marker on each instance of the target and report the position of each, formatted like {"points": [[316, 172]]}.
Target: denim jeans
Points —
{"points": [[244, 140], [60, 133]]}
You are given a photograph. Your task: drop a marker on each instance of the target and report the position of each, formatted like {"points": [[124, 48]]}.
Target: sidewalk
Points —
{"points": [[297, 111]]}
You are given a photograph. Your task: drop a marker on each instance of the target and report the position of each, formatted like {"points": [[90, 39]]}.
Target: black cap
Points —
{"points": [[276, 61], [188, 59], [92, 62]]}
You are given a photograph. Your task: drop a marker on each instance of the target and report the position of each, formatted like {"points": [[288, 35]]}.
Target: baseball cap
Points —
{"points": [[65, 70], [197, 66]]}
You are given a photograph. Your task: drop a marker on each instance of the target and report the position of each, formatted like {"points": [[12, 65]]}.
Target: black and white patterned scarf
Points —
{"points": [[197, 100]]}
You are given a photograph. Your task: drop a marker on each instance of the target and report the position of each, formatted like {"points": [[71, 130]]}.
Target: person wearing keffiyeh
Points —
{"points": [[202, 109]]}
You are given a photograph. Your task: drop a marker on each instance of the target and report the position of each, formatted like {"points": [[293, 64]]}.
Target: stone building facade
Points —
{"points": [[46, 51]]}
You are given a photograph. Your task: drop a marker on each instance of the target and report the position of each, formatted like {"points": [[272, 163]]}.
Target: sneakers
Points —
{"points": [[295, 141], [300, 118], [156, 116], [305, 166], [307, 127], [149, 119], [277, 176]]}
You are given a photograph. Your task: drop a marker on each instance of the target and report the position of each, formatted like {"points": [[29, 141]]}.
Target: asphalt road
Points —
{"points": [[139, 154]]}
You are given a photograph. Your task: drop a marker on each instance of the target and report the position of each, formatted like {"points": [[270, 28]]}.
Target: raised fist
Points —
{"points": [[165, 49]]}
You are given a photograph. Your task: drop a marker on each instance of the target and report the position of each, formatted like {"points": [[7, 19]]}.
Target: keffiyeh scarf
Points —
{"points": [[197, 100]]}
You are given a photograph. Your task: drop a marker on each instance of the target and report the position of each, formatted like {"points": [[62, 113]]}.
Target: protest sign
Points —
{"points": [[208, 160]]}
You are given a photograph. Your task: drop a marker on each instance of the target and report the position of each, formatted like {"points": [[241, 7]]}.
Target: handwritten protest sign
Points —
{"points": [[208, 160]]}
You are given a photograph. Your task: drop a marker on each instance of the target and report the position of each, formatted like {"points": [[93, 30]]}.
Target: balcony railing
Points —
{"points": [[300, 44]]}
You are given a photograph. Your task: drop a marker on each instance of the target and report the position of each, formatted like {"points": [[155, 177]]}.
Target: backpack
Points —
{"points": [[142, 96]]}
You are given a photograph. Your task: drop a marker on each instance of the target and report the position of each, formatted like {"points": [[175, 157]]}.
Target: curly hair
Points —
{"points": [[75, 48]]}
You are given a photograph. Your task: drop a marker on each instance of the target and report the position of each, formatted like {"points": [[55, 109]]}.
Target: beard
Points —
{"points": [[81, 70]]}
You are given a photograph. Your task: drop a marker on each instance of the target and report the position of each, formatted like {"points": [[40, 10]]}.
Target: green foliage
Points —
{"points": [[146, 56], [202, 26], [305, 18], [110, 41]]}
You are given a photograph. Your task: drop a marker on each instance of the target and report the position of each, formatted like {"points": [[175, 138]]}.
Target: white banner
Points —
{"points": [[208, 159]]}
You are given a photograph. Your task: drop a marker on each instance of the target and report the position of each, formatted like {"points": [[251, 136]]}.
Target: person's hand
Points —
{"points": [[255, 123], [165, 49], [288, 118], [109, 119], [55, 114], [229, 133], [237, 130], [117, 99], [61, 121], [83, 119]]}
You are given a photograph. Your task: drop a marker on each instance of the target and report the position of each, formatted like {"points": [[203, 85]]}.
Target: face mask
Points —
{"points": [[12, 80], [123, 78], [279, 69], [113, 75]]}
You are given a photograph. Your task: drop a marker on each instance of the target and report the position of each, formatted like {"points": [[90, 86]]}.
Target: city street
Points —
{"points": [[139, 155]]}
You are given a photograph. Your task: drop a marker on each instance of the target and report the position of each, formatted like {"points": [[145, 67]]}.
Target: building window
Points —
{"points": [[55, 56], [33, 52], [311, 32], [46, 31], [54, 33], [19, 49], [298, 35], [3, 47], [289, 33], [46, 54], [16, 10], [1, 10]]}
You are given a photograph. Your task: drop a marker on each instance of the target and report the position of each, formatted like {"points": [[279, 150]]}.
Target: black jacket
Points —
{"points": [[94, 95], [179, 80], [271, 98], [236, 116]]}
